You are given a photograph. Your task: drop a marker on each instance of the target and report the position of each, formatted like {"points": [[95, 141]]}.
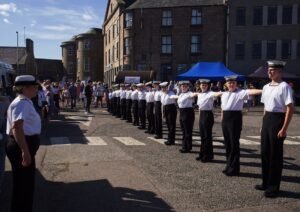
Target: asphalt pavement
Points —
{"points": [[98, 162]]}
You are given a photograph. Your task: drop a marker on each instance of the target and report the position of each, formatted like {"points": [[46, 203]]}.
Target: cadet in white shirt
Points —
{"points": [[23, 129], [278, 100], [142, 105], [128, 103], [205, 102], [232, 105], [135, 105], [123, 102], [169, 111], [150, 108], [157, 110], [118, 105], [187, 115]]}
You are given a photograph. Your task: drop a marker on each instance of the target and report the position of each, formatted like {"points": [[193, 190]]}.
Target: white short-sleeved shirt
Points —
{"points": [[206, 100], [185, 100], [234, 101], [110, 95], [141, 95], [157, 96], [166, 100], [276, 97], [150, 96], [113, 94], [128, 94], [122, 94], [22, 108], [118, 93], [135, 95]]}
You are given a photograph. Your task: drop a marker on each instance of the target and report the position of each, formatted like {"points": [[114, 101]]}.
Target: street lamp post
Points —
{"points": [[17, 52]]}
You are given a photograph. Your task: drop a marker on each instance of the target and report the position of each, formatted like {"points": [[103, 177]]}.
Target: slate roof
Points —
{"points": [[9, 55], [173, 3]]}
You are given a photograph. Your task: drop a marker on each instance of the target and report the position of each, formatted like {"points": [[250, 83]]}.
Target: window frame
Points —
{"points": [[128, 20], [167, 19], [257, 19], [166, 44], [286, 53], [270, 18], [196, 18], [240, 19], [270, 56], [256, 53], [197, 46], [127, 46], [240, 55]]}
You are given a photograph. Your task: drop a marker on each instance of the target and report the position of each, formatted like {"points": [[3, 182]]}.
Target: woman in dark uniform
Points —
{"points": [[278, 100], [23, 128]]}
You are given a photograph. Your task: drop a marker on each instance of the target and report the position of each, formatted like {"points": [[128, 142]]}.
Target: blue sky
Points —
{"points": [[48, 22]]}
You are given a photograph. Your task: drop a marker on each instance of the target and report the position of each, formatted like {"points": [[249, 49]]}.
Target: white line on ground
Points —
{"points": [[291, 142], [161, 140], [60, 141], [95, 141], [129, 141]]}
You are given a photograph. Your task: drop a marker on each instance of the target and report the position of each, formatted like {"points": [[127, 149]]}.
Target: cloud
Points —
{"points": [[59, 28], [5, 20], [49, 36], [10, 7], [4, 13], [33, 23]]}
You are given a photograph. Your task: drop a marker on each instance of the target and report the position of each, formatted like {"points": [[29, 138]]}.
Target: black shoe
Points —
{"points": [[271, 193], [184, 151], [169, 143], [157, 137], [199, 158], [224, 172], [231, 174], [146, 131], [260, 187], [141, 127]]}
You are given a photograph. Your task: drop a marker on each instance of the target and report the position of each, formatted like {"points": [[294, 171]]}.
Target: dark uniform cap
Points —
{"points": [[163, 84], [231, 78], [25, 80], [204, 81], [185, 82], [276, 63]]}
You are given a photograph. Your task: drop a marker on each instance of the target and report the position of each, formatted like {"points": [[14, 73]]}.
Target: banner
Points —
{"points": [[131, 80]]}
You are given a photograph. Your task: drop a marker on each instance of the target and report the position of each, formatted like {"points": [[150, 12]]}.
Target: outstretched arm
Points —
{"points": [[254, 91]]}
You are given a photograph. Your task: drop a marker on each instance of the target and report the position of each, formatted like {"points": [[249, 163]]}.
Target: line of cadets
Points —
{"points": [[155, 100]]}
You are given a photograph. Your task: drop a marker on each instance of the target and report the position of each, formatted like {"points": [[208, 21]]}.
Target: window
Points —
{"points": [[166, 45], [257, 16], [196, 16], [271, 49], [298, 50], [165, 72], [128, 20], [86, 64], [256, 49], [118, 25], [87, 44], [117, 51], [272, 15], [195, 44], [287, 12], [166, 18], [240, 50], [70, 68], [105, 58], [240, 18], [70, 50], [108, 56], [286, 49], [128, 44], [113, 53]]}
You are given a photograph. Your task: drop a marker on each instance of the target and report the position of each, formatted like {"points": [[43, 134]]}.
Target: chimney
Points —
{"points": [[29, 46]]}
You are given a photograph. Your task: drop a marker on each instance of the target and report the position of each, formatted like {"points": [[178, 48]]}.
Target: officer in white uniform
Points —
{"points": [[142, 105], [150, 108], [135, 105], [187, 115], [115, 100], [205, 102], [232, 105], [128, 103], [123, 102], [157, 110], [23, 129], [118, 105], [169, 111], [278, 100]]}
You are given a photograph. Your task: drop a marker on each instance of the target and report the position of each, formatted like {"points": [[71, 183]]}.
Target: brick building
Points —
{"points": [[165, 36], [260, 30], [69, 58], [49, 69]]}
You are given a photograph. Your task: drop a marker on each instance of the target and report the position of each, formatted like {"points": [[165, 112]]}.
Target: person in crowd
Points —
{"points": [[23, 129], [169, 112], [150, 108], [55, 90], [88, 93], [157, 110], [277, 98], [135, 105], [73, 95], [205, 102], [232, 105], [142, 105], [65, 96], [118, 104], [100, 94], [187, 115], [4, 102], [109, 99], [128, 103], [43, 104], [123, 102]]}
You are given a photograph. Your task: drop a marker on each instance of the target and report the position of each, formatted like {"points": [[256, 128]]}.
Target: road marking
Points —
{"points": [[160, 140], [291, 142], [255, 137], [129, 141], [248, 142], [294, 137], [85, 120], [60, 141], [95, 141]]}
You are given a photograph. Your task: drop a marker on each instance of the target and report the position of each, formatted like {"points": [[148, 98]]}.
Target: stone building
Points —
{"points": [[260, 30], [165, 36], [82, 56], [49, 69]]}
